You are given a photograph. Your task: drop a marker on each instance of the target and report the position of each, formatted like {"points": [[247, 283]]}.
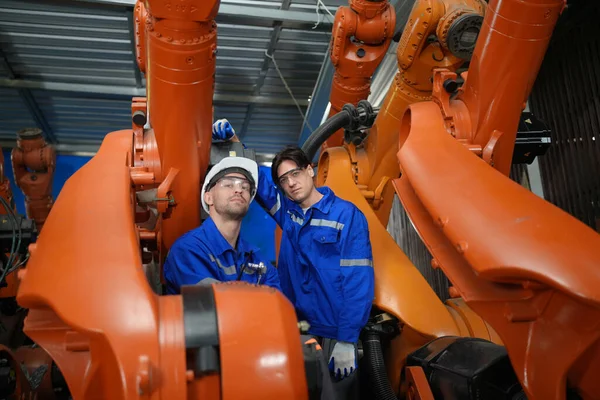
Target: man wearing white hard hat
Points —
{"points": [[215, 252]]}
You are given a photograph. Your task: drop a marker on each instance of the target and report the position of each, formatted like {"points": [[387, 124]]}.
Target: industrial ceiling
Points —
{"points": [[68, 67]]}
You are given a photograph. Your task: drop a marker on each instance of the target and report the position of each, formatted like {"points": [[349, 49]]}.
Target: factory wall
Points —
{"points": [[566, 96], [258, 227]]}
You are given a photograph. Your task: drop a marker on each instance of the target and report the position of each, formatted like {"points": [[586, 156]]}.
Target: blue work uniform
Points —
{"points": [[203, 255], [325, 260]]}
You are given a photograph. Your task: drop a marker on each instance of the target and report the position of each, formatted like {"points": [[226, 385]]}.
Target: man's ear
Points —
{"points": [[311, 171], [208, 198]]}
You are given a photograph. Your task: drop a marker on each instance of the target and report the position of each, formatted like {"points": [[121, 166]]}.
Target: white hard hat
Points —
{"points": [[228, 165]]}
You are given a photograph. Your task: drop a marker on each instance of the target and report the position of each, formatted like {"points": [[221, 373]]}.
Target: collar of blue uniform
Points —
{"points": [[323, 205], [220, 245]]}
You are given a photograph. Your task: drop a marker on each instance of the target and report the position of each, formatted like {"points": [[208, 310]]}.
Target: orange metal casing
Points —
{"points": [[180, 65], [108, 347], [33, 162], [131, 344], [260, 346], [417, 59], [360, 38], [533, 274]]}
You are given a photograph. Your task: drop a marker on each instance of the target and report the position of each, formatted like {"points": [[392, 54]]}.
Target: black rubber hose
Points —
{"points": [[323, 132], [376, 368]]}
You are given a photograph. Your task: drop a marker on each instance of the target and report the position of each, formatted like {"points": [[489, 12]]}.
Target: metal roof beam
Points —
{"points": [[30, 103], [285, 5], [318, 100], [248, 13], [132, 91]]}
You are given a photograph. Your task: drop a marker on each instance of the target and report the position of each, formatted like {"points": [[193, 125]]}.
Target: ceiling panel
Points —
{"points": [[14, 115], [88, 43]]}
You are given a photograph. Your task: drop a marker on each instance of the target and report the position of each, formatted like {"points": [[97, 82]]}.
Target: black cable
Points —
{"points": [[244, 266], [13, 250], [323, 132], [241, 272], [350, 118]]}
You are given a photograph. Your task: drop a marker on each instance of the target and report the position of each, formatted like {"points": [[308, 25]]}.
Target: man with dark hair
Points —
{"points": [[325, 260], [215, 252]]}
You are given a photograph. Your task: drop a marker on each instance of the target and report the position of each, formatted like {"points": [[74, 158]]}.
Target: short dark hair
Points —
{"points": [[290, 153]]}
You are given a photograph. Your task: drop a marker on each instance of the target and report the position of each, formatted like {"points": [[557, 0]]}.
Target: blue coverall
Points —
{"points": [[325, 260], [203, 255]]}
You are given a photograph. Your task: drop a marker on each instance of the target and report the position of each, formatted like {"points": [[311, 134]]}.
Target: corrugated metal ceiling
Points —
{"points": [[83, 51]]}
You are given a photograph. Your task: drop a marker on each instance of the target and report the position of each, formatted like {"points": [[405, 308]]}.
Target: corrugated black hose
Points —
{"points": [[324, 131], [380, 383]]}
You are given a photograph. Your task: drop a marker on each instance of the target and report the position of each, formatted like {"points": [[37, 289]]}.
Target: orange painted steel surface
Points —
{"points": [[418, 385], [417, 58], [131, 330], [496, 89], [533, 274], [474, 325], [361, 36], [261, 353], [33, 162], [180, 66], [527, 269], [91, 307]]}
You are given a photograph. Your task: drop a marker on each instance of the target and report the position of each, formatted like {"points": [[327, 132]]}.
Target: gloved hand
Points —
{"points": [[222, 130], [342, 361]]}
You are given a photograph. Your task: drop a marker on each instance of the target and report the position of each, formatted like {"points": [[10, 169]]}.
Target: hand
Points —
{"points": [[342, 361], [222, 130]]}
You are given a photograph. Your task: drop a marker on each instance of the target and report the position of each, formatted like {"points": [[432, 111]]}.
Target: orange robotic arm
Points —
{"points": [[363, 175], [527, 267], [360, 38], [5, 191], [33, 162], [438, 34], [90, 305]]}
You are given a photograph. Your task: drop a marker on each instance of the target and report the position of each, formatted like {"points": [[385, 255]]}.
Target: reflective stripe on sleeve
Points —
{"points": [[207, 281], [230, 270], [276, 207], [356, 262], [325, 222]]}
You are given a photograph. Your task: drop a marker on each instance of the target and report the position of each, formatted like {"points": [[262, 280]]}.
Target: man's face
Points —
{"points": [[230, 197], [297, 183]]}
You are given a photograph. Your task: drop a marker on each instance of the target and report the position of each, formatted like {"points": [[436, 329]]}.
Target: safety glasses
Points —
{"points": [[235, 183], [293, 173]]}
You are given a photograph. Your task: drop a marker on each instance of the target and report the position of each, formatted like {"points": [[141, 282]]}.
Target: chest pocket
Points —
{"points": [[327, 247]]}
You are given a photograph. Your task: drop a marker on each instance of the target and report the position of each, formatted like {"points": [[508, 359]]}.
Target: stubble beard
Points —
{"points": [[233, 211]]}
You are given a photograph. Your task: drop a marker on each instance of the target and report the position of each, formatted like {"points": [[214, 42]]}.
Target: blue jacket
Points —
{"points": [[203, 255], [325, 260]]}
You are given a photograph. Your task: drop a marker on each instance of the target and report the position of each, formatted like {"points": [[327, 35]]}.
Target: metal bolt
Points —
{"points": [[462, 246], [441, 221]]}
